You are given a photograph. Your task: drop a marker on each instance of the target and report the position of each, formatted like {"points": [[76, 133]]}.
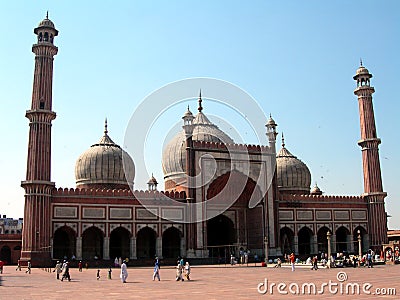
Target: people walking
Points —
{"points": [[292, 260], [124, 272], [187, 270], [156, 272], [314, 262], [80, 266], [18, 265], [58, 269], [66, 274], [109, 273], [29, 267], [179, 276], [98, 274], [232, 260]]}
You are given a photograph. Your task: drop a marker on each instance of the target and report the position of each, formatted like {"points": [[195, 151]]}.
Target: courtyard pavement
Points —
{"points": [[207, 282]]}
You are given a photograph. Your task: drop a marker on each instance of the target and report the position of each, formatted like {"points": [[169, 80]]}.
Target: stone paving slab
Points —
{"points": [[208, 282]]}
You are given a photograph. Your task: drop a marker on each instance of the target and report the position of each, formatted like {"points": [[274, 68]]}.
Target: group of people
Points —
{"points": [[28, 266], [118, 262], [339, 260], [182, 270], [63, 269]]}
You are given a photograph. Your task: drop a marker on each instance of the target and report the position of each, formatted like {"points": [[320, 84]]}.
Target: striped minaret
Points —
{"points": [[190, 174], [36, 244], [369, 143]]}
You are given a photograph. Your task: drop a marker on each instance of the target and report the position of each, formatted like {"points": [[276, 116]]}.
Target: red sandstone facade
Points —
{"points": [[255, 198]]}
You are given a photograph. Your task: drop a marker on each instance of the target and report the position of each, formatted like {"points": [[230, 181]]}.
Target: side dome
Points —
{"points": [[293, 176], [174, 154], [104, 165]]}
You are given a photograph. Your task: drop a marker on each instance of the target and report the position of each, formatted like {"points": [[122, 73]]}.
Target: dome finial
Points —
{"points": [[283, 141], [361, 62], [200, 108], [105, 127], [47, 14]]}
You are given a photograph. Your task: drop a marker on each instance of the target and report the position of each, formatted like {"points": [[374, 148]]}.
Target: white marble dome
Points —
{"points": [[293, 176], [104, 165], [174, 154]]}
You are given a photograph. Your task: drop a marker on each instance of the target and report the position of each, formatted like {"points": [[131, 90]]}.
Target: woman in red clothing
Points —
{"points": [[292, 260]]}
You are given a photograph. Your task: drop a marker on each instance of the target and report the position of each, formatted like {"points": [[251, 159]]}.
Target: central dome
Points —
{"points": [[104, 165], [174, 154]]}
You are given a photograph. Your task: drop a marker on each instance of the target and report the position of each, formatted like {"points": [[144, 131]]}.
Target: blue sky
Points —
{"points": [[296, 58]]}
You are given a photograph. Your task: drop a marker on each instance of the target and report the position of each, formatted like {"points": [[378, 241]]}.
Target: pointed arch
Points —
{"points": [[234, 187], [322, 239], [287, 240], [364, 239], [220, 233], [342, 239], [305, 236], [171, 242], [92, 243], [5, 254], [120, 243], [146, 243], [64, 242]]}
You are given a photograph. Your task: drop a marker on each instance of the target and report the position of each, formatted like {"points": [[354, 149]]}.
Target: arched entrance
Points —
{"points": [[238, 192], [5, 254], [305, 239], [322, 240], [287, 240], [171, 243], [92, 243], [342, 239], [220, 234], [64, 243], [119, 243], [364, 240], [146, 243]]}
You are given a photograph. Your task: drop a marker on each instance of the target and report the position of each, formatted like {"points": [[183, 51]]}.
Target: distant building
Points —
{"points": [[103, 218], [10, 239]]}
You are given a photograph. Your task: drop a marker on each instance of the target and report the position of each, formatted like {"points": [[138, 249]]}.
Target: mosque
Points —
{"points": [[226, 207]]}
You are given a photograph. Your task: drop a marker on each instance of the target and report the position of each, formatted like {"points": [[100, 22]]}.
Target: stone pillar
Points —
{"points": [[132, 248], [78, 247], [296, 244], [159, 247], [106, 248], [51, 247]]}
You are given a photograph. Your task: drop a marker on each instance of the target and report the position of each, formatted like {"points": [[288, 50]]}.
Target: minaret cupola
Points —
{"points": [[46, 31]]}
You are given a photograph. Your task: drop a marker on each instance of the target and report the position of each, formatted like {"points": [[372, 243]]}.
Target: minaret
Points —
{"points": [[369, 143], [271, 133], [190, 174], [152, 183], [37, 221]]}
